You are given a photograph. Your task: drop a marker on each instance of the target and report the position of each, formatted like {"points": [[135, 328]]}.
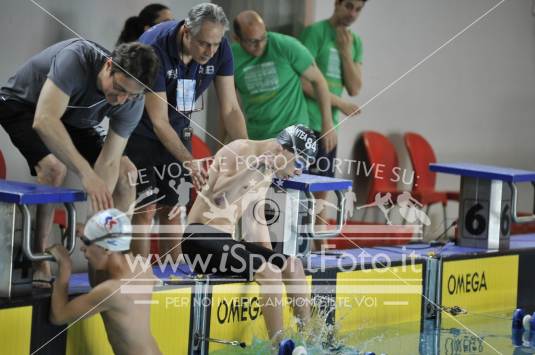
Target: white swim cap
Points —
{"points": [[112, 228]]}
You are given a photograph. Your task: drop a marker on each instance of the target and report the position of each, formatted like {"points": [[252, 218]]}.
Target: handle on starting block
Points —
{"points": [[516, 218], [26, 233], [340, 213]]}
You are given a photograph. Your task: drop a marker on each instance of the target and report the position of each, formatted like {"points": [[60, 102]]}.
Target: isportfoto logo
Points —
{"points": [[244, 266], [177, 176]]}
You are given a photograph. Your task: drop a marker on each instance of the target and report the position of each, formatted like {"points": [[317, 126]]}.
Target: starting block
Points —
{"points": [[291, 209], [16, 252], [488, 203]]}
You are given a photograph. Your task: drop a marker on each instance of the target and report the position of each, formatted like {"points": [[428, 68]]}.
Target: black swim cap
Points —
{"points": [[300, 140]]}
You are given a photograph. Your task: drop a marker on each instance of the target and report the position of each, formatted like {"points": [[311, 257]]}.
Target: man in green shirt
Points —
{"points": [[268, 69], [338, 54]]}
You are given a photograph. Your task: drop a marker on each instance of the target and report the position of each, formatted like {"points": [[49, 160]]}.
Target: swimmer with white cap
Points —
{"points": [[106, 245]]}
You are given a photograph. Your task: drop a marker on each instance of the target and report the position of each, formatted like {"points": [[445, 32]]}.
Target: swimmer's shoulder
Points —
{"points": [[107, 287], [236, 147], [231, 154], [105, 295]]}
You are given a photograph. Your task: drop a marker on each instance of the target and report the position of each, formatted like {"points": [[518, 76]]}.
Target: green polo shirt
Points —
{"points": [[270, 85]]}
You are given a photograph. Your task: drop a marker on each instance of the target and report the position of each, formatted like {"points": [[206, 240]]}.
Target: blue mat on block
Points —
{"points": [[79, 283], [484, 172], [26, 193], [313, 183]]}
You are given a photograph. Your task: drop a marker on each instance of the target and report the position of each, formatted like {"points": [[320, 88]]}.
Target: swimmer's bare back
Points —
{"points": [[231, 176], [127, 318]]}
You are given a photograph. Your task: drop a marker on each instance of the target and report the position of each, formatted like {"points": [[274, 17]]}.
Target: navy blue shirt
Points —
{"points": [[164, 39]]}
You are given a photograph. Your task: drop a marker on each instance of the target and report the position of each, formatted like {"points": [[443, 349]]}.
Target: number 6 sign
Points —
{"points": [[485, 213], [488, 203]]}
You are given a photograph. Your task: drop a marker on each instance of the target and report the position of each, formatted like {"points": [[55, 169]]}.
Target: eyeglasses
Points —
{"points": [[87, 242], [254, 42], [300, 162], [122, 91], [206, 45]]}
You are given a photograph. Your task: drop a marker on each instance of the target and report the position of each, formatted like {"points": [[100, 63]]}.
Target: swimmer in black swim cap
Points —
{"points": [[239, 179], [300, 140]]}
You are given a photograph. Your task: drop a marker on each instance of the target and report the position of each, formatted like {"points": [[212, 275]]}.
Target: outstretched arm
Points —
{"points": [[346, 106], [62, 310], [323, 96], [229, 108], [50, 108], [156, 106], [109, 159]]}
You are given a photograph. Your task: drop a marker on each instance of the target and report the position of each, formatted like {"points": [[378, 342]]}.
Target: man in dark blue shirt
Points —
{"points": [[193, 53]]}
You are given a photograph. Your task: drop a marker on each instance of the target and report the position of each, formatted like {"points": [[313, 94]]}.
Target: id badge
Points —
{"points": [[185, 95], [187, 133]]}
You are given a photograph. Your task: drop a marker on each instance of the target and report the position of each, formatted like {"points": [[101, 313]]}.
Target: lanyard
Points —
{"points": [[181, 84]]}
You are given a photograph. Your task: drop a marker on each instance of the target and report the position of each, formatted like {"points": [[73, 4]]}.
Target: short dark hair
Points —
{"points": [[150, 13], [136, 60]]}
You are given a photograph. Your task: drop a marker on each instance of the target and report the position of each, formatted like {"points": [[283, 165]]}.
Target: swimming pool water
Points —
{"points": [[471, 333]]}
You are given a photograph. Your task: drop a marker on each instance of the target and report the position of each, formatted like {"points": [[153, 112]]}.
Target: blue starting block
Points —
{"points": [[488, 202], [290, 211], [15, 252]]}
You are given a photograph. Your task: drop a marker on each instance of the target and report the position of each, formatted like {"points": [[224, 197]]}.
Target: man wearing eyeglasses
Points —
{"points": [[193, 53], [126, 315], [50, 108], [338, 54], [268, 70]]}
